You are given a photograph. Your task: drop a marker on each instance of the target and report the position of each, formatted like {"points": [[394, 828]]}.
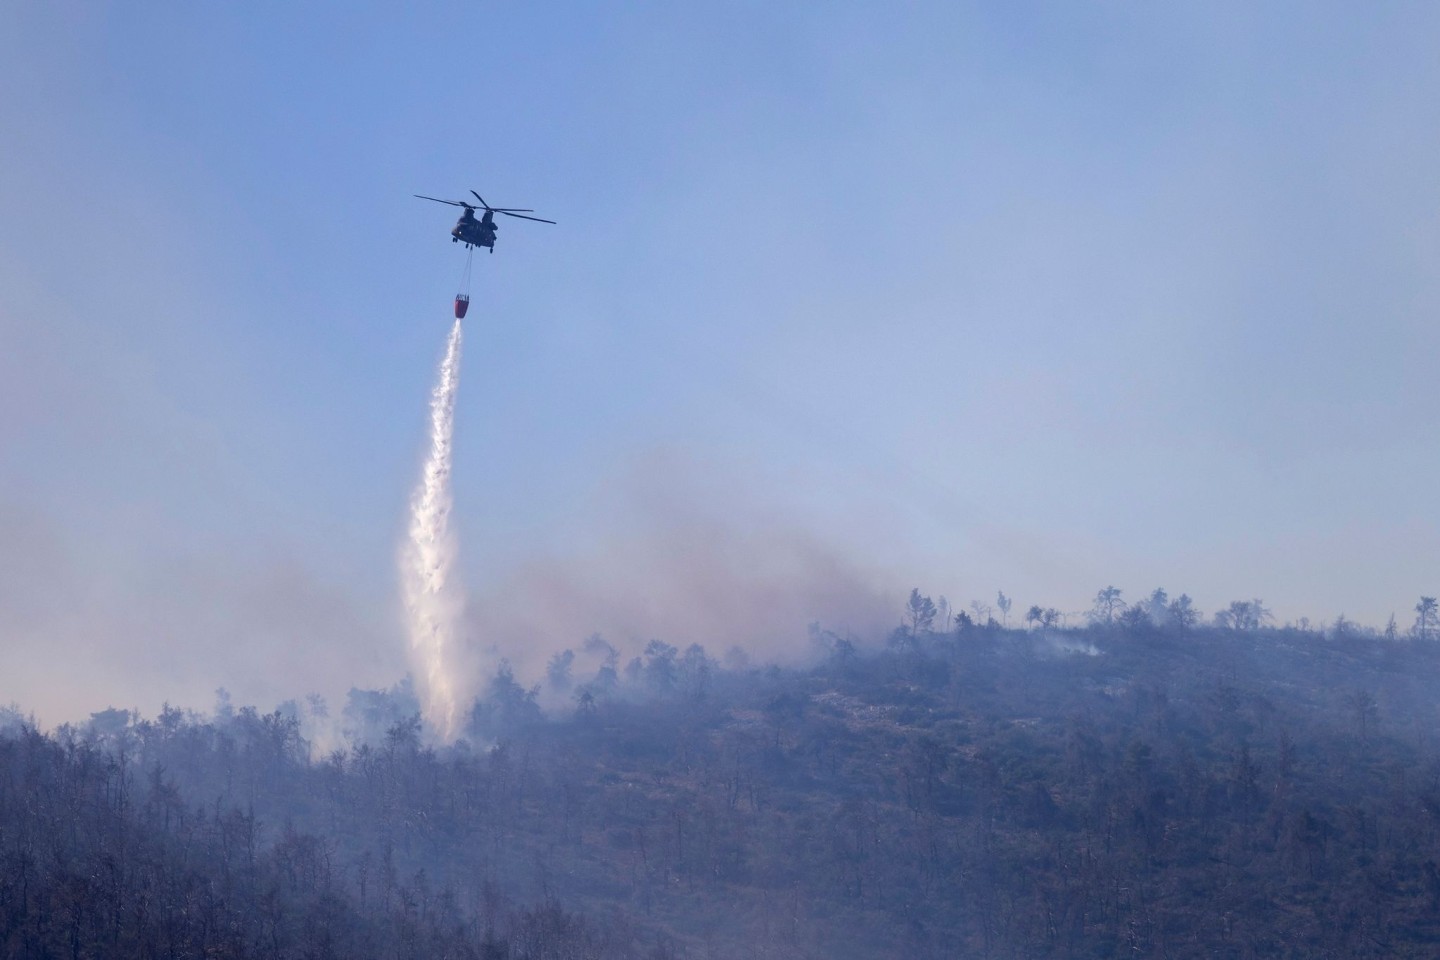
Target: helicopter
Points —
{"points": [[480, 233]]}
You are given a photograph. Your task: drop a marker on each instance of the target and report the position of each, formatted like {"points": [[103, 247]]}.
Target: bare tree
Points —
{"points": [[1107, 606], [1244, 615]]}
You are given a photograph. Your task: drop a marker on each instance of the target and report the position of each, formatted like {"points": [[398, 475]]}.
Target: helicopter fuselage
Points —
{"points": [[475, 233]]}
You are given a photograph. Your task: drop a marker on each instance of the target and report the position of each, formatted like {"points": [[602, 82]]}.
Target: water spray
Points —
{"points": [[433, 603]]}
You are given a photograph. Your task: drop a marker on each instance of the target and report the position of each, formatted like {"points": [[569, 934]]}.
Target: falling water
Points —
{"points": [[432, 602]]}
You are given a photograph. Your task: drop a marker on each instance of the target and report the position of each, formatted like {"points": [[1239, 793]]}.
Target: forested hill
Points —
{"points": [[1121, 790]]}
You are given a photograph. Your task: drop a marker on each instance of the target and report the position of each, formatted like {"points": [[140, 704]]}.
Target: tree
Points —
{"points": [[1181, 614], [506, 708], [696, 669], [1044, 617], [661, 670], [404, 735], [607, 676], [1004, 603], [111, 723], [1135, 619], [1157, 606], [1107, 606], [1244, 615], [1426, 618], [919, 613], [558, 670]]}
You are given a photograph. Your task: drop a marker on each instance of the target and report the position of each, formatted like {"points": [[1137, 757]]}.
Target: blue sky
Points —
{"points": [[842, 299]]}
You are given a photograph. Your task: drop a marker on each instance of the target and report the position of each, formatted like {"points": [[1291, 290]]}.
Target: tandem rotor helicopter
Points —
{"points": [[476, 233], [480, 233]]}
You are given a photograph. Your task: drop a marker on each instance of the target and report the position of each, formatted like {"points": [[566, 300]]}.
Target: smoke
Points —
{"points": [[721, 588], [433, 602], [684, 552]]}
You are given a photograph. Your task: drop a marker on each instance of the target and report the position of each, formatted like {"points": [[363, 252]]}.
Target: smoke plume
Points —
{"points": [[681, 550], [433, 602]]}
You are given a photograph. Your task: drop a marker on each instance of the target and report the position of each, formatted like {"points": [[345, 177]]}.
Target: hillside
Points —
{"points": [[1122, 790]]}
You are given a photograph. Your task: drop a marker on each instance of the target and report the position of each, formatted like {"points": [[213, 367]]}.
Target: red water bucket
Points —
{"points": [[462, 303]]}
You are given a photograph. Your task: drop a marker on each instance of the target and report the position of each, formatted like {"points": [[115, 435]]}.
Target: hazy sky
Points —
{"points": [[843, 299]]}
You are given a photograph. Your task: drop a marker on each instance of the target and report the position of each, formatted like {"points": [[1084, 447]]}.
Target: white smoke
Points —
{"points": [[433, 602]]}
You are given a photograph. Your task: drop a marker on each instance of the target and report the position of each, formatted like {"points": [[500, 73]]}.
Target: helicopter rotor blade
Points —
{"points": [[511, 209], [523, 217], [482, 200], [453, 203]]}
